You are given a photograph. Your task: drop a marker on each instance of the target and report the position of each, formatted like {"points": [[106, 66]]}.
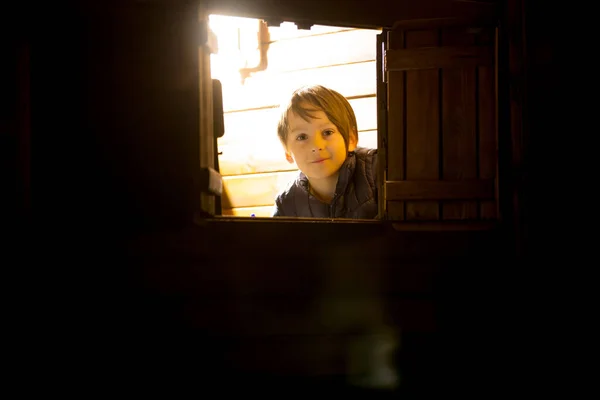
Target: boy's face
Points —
{"points": [[316, 146]]}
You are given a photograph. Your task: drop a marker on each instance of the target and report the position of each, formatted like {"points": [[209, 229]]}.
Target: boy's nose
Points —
{"points": [[318, 143]]}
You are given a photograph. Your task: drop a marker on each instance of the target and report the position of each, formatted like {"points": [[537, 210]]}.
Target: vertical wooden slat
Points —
{"points": [[381, 125], [459, 117], [422, 126], [207, 156], [23, 118], [487, 135], [487, 125], [396, 126]]}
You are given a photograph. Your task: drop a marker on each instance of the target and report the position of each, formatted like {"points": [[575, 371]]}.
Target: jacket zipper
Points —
{"points": [[332, 206]]}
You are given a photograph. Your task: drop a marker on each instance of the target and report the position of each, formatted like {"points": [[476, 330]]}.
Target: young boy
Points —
{"points": [[337, 179]]}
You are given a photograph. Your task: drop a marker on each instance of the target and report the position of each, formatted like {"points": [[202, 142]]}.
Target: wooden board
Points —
{"points": [[258, 125], [434, 189], [459, 118], [227, 28], [375, 13], [422, 126], [254, 190], [289, 31], [242, 158], [396, 117], [487, 135], [263, 211], [368, 139], [267, 89], [317, 51], [438, 57]]}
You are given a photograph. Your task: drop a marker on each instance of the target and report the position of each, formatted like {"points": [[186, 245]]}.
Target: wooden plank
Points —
{"points": [[487, 135], [439, 23], [239, 159], [264, 211], [381, 126], [459, 117], [444, 226], [257, 125], [268, 156], [254, 190], [396, 120], [368, 139], [435, 189], [375, 13], [319, 51], [440, 57], [395, 209], [207, 156], [422, 126], [232, 30], [266, 89], [289, 30]]}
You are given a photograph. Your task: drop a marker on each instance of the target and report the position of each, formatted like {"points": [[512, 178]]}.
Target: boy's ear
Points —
{"points": [[353, 140], [289, 157]]}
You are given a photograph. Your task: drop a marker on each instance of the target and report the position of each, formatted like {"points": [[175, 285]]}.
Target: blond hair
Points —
{"points": [[312, 98]]}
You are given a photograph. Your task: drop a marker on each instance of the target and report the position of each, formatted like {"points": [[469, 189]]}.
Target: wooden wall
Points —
{"points": [[180, 308], [252, 159], [277, 319]]}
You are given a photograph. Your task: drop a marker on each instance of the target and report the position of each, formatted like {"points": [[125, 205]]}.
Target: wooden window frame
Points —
{"points": [[411, 189]]}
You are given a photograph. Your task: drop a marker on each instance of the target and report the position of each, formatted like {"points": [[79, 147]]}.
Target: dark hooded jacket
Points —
{"points": [[355, 194]]}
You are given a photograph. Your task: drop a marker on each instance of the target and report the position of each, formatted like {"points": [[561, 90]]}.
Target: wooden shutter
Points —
{"points": [[439, 137]]}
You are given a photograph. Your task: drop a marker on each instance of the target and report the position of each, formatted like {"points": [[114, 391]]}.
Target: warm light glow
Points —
{"points": [[251, 151]]}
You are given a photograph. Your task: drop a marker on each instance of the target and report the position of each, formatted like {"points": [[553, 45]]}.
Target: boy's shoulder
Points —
{"points": [[366, 158], [366, 165], [290, 189], [365, 152]]}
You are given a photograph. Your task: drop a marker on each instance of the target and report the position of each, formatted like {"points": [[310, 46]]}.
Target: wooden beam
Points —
{"points": [[482, 189], [268, 88], [356, 13], [440, 23], [263, 211], [444, 226], [438, 57]]}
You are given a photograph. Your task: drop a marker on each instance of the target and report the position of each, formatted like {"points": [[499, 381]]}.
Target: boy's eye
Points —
{"points": [[301, 136], [328, 132]]}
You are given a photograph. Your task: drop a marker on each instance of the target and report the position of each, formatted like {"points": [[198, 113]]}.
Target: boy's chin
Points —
{"points": [[319, 175]]}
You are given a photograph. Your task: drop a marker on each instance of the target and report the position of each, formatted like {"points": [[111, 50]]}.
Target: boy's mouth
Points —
{"points": [[320, 160]]}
